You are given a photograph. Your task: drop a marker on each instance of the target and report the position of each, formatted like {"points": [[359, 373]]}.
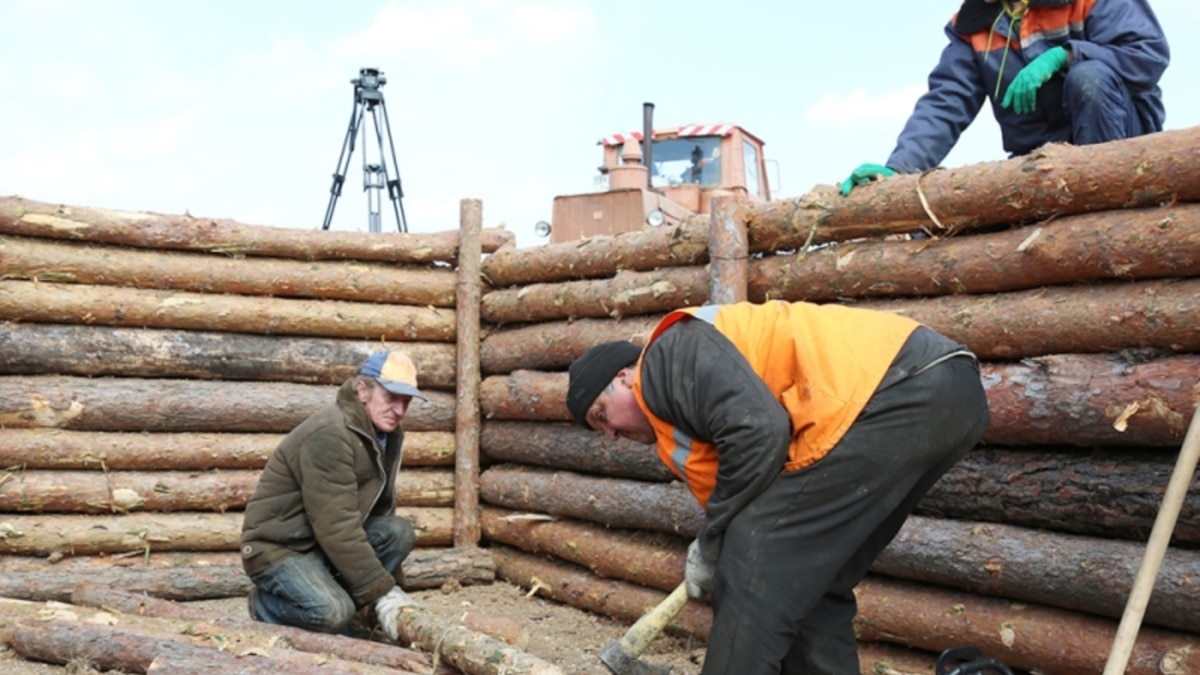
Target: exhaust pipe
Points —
{"points": [[648, 142]]}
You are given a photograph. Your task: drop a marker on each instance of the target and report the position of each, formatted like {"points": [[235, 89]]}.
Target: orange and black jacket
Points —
{"points": [[739, 393], [987, 49]]}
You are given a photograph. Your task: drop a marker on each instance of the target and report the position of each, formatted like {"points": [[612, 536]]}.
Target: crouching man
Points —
{"points": [[320, 538]]}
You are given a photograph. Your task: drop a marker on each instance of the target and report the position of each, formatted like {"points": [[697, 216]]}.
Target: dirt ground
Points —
{"points": [[558, 633]]}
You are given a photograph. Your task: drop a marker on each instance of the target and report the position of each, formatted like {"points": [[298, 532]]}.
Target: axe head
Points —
{"points": [[614, 656]]}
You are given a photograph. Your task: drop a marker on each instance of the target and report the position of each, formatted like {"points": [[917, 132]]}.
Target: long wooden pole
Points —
{"points": [[1156, 548], [468, 291]]}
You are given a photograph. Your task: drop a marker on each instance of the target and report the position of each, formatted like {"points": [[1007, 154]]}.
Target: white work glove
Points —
{"points": [[698, 572], [387, 611]]}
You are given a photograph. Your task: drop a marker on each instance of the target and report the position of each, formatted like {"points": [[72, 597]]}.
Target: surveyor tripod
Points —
{"points": [[376, 176]]}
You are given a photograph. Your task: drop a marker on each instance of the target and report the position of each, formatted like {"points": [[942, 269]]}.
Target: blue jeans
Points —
{"points": [[304, 590]]}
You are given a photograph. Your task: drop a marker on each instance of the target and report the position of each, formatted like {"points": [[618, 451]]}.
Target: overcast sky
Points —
{"points": [[238, 109]]}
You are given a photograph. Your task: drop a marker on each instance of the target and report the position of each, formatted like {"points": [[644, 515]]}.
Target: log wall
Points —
{"points": [[149, 364], [1076, 282]]}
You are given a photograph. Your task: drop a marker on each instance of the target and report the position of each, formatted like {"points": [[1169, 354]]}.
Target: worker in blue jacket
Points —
{"points": [[1070, 71]]}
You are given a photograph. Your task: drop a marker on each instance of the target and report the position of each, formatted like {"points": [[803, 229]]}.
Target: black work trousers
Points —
{"points": [[783, 593]]}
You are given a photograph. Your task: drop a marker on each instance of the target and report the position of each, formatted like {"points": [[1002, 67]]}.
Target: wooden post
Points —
{"points": [[468, 292], [728, 252]]}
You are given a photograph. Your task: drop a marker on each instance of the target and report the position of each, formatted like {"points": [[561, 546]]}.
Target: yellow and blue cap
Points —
{"points": [[394, 371]]}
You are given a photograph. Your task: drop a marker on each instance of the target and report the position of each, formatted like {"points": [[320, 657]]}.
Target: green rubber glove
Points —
{"points": [[865, 173], [1022, 93]]}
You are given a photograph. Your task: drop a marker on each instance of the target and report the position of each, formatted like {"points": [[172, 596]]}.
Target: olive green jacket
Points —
{"points": [[321, 484]]}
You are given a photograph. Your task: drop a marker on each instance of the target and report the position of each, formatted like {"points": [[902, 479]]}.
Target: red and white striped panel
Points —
{"points": [[618, 139], [705, 129]]}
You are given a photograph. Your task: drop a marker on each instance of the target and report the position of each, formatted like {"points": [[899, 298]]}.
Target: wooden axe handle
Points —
{"points": [[641, 634]]}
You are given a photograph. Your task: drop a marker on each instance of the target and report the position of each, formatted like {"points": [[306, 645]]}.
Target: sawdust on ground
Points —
{"points": [[563, 635]]}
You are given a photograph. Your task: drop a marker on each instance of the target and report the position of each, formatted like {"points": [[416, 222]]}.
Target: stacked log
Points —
{"points": [[1080, 295], [152, 363]]}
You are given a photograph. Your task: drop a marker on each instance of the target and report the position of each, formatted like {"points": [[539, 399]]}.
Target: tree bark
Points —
{"points": [[365, 651], [182, 583], [613, 502], [30, 301], [684, 244], [1021, 635], [28, 449], [1086, 574], [1053, 181], [435, 568], [1108, 493], [1119, 245], [1067, 399], [191, 532], [644, 558], [129, 404], [524, 395], [629, 293], [55, 349], [127, 491], [579, 588], [1085, 400], [570, 447], [130, 650], [1064, 319], [552, 346], [221, 235], [78, 263]]}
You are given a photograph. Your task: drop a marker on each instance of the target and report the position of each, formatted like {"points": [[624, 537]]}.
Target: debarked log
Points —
{"points": [[89, 535], [132, 404], [601, 256], [25, 449], [136, 307], [221, 235], [629, 293], [571, 447], [437, 567], [178, 583], [365, 651], [1063, 399], [554, 345], [127, 491], [1105, 492], [1064, 319], [1022, 635], [1124, 244], [613, 502], [1087, 574], [641, 557], [80, 263], [55, 349], [468, 650], [133, 650], [1055, 180]]}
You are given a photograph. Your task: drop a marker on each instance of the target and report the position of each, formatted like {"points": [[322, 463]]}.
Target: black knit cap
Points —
{"points": [[592, 372]]}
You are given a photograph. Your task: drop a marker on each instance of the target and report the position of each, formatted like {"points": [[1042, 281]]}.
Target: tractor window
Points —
{"points": [[751, 156], [695, 159]]}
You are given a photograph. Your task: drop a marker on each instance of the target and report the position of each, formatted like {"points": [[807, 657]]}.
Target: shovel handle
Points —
{"points": [[639, 636]]}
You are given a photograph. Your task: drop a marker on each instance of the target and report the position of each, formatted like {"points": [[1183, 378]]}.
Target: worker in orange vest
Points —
{"points": [[807, 433]]}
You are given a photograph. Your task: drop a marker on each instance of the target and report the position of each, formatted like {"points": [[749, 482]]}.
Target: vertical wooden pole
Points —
{"points": [[728, 252], [467, 297]]}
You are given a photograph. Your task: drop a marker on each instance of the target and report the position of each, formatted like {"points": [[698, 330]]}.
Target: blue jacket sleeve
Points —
{"points": [[956, 95], [1125, 36]]}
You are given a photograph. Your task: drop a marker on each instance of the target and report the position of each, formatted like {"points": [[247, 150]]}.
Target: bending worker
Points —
{"points": [[808, 433], [320, 538], [1068, 71]]}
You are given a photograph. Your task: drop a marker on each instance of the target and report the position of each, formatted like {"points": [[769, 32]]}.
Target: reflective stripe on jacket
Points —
{"points": [[821, 362]]}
